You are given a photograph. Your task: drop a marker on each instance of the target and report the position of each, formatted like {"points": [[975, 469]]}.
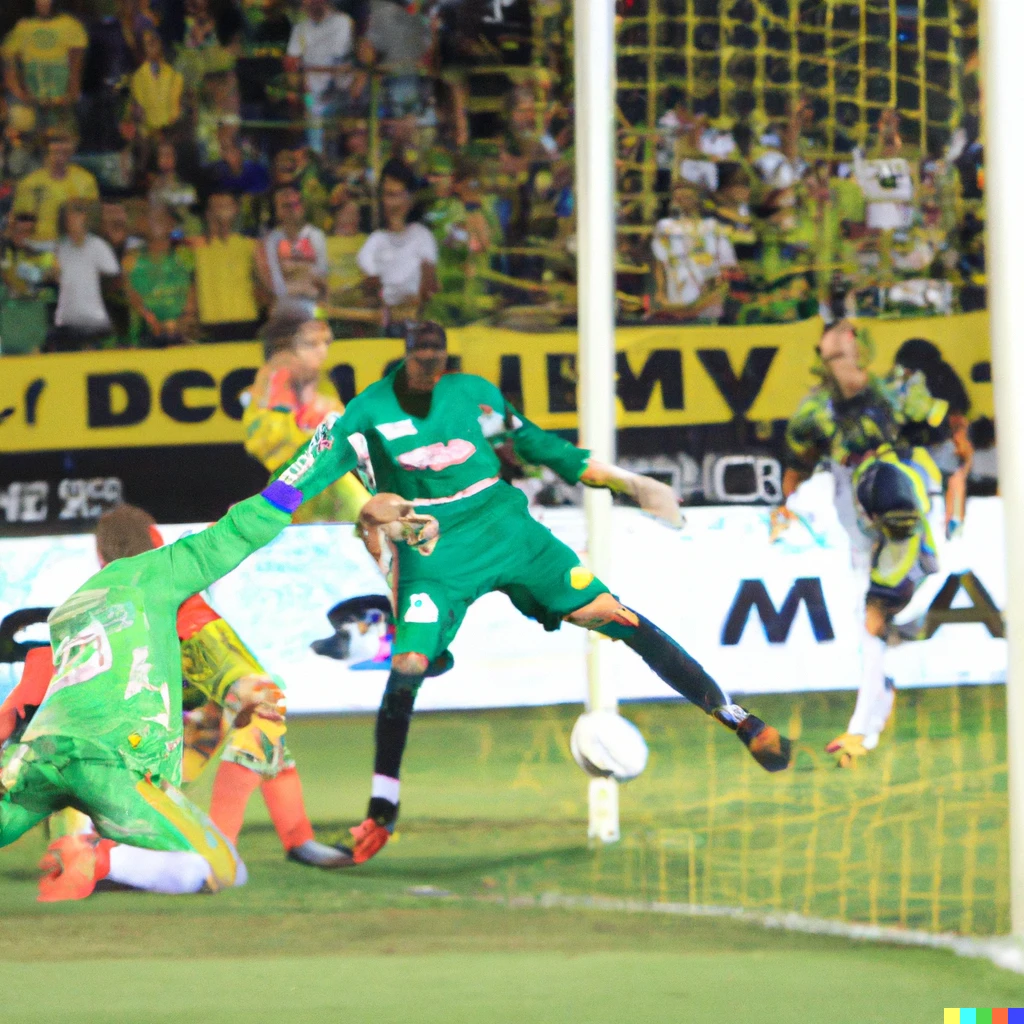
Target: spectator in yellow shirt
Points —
{"points": [[43, 59], [227, 284], [45, 191], [156, 88]]}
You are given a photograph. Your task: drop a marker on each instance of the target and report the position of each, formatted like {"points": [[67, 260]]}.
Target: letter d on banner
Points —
{"points": [[132, 398]]}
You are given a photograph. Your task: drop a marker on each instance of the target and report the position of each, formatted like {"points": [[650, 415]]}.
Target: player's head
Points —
{"points": [[426, 354], [125, 531], [844, 353], [886, 493], [293, 329]]}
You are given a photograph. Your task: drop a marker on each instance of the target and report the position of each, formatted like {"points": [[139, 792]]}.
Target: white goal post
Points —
{"points": [[594, 22], [1002, 31]]}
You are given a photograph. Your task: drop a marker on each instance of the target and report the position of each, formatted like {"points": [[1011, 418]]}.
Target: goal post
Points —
{"points": [[594, 45], [1002, 32]]}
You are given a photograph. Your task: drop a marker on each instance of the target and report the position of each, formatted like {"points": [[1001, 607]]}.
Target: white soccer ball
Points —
{"points": [[604, 744]]}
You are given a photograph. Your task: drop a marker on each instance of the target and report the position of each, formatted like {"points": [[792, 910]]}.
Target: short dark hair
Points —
{"points": [[285, 322], [124, 531], [424, 334], [81, 205]]}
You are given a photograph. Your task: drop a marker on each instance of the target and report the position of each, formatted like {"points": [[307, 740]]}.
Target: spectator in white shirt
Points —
{"points": [[320, 48], [293, 258], [690, 252], [400, 259], [83, 259]]}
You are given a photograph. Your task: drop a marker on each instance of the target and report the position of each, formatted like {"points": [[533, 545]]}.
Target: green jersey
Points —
{"points": [[163, 284], [117, 682], [446, 452]]}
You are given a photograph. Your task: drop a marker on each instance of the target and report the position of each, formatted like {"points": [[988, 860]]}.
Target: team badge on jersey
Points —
{"points": [[421, 609]]}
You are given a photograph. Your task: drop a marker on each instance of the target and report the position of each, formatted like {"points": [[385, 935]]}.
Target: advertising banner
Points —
{"points": [[666, 377], [763, 618]]}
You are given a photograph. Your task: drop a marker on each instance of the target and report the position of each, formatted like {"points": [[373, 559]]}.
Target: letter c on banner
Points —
{"points": [[172, 396]]}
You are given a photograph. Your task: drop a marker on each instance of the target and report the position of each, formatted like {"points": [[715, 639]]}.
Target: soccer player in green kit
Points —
{"points": [[430, 437], [107, 737]]}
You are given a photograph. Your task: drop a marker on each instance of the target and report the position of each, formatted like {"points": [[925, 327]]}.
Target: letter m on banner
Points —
{"points": [[777, 624]]}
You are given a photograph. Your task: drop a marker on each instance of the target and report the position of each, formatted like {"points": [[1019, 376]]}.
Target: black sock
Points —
{"points": [[674, 666], [392, 730]]}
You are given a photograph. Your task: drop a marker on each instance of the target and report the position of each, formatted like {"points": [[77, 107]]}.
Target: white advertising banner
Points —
{"points": [[761, 617]]}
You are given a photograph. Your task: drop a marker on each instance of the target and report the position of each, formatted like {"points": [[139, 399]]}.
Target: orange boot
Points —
{"points": [[71, 867]]}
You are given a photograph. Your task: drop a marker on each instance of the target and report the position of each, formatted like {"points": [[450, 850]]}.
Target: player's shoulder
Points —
{"points": [[468, 387], [369, 396], [471, 383], [813, 403]]}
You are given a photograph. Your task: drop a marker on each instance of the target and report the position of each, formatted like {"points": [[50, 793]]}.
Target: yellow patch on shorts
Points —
{"points": [[580, 577], [134, 740], [197, 830]]}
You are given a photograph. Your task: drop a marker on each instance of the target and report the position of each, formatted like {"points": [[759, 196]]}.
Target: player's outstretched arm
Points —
{"points": [[576, 465], [651, 495], [194, 562]]}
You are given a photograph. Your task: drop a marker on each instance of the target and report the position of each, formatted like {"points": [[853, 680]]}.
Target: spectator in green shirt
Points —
{"points": [[161, 286], [464, 236]]}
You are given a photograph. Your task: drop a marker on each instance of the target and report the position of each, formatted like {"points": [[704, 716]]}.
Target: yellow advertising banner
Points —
{"points": [[666, 376]]}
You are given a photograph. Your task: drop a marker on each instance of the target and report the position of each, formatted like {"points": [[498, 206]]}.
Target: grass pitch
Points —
{"points": [[494, 810]]}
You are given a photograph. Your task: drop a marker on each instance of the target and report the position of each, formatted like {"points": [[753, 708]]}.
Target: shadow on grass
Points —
{"points": [[457, 867]]}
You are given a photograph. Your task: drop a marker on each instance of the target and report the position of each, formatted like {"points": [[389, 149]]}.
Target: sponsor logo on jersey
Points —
{"points": [[322, 440], [393, 431], [438, 456], [421, 609], [299, 468]]}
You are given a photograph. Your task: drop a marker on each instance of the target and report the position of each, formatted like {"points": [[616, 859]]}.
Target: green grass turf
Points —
{"points": [[493, 809]]}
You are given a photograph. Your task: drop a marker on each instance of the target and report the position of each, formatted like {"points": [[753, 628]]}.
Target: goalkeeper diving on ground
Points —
{"points": [[107, 736]]}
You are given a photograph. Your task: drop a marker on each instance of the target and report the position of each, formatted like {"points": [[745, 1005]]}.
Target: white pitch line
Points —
{"points": [[1004, 952]]}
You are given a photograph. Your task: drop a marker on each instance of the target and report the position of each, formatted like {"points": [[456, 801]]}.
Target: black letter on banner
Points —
{"points": [[983, 609], [664, 366], [777, 624], [172, 396], [98, 389], [233, 384], [738, 392], [32, 393], [562, 378], [343, 377], [510, 380]]}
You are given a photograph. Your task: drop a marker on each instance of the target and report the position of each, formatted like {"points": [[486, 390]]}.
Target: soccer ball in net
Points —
{"points": [[604, 744]]}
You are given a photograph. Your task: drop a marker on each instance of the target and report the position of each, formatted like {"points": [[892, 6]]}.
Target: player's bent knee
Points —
{"points": [[604, 610], [410, 663], [224, 870]]}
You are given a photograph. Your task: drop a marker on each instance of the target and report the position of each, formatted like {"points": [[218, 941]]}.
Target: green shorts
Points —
{"points": [[50, 773], [488, 542]]}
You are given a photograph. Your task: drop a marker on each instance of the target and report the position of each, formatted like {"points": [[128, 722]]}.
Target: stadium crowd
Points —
{"points": [[171, 168]]}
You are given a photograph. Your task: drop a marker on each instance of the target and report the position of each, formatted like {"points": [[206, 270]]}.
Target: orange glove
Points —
{"points": [[781, 519], [370, 838]]}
